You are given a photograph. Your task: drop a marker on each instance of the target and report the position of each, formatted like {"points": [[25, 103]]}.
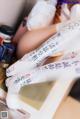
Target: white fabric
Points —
{"points": [[41, 15], [25, 71], [66, 40], [75, 11], [49, 72]]}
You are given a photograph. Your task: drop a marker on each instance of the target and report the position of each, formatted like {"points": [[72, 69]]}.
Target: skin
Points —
{"points": [[33, 39]]}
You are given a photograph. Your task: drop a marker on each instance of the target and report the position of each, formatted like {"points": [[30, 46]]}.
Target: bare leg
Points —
{"points": [[32, 39]]}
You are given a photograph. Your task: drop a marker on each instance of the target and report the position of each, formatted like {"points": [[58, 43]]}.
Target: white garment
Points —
{"points": [[42, 14], [49, 72], [75, 11], [66, 40]]}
